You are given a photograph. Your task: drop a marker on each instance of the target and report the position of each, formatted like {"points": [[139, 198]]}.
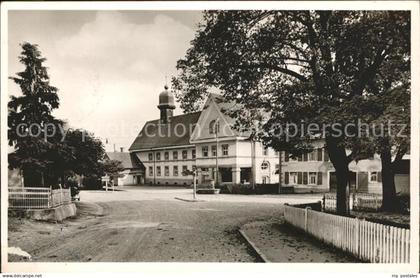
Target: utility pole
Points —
{"points": [[253, 164], [280, 170], [217, 151]]}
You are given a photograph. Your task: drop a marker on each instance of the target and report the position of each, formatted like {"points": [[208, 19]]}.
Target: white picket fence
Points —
{"points": [[37, 197], [358, 202], [368, 241]]}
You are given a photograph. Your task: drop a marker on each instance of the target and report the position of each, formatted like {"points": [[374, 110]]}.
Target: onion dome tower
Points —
{"points": [[166, 105]]}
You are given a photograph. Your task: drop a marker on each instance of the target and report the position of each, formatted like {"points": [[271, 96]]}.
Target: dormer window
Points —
{"points": [[214, 127]]}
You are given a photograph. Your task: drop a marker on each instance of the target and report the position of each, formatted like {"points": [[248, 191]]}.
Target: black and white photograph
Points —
{"points": [[278, 134]]}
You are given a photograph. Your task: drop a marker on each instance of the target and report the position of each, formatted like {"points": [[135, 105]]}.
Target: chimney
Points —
{"points": [[122, 149]]}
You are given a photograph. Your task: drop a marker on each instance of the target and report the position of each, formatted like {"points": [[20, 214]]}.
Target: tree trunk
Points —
{"points": [[340, 162], [389, 194]]}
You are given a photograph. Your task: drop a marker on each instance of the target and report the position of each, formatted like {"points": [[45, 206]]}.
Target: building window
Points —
{"points": [[158, 171], [264, 165], [175, 170], [265, 150], [375, 177], [205, 150], [293, 178], [150, 171], [319, 180], [166, 155], [225, 149], [214, 127], [184, 154], [157, 156], [305, 178], [312, 178], [166, 170], [193, 153], [184, 169], [312, 156], [150, 156], [319, 154], [326, 156], [214, 150], [175, 155], [277, 169], [277, 153], [286, 156]]}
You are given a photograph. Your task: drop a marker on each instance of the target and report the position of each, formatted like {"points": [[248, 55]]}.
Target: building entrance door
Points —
{"points": [[265, 179], [226, 174], [362, 182]]}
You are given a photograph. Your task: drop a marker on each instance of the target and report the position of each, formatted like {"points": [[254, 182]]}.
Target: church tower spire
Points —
{"points": [[166, 105]]}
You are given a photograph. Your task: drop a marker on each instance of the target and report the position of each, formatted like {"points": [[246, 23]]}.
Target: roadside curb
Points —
{"points": [[254, 247], [188, 200]]}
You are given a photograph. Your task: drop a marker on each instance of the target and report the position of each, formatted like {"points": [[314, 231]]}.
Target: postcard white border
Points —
{"points": [[200, 268]]}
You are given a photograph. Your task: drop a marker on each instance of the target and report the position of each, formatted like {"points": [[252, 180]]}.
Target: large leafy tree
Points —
{"points": [[87, 152], [112, 167], [295, 67], [30, 118], [389, 115]]}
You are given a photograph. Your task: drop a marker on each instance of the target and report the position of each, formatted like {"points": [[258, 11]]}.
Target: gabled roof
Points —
{"points": [[128, 160], [176, 133], [225, 106]]}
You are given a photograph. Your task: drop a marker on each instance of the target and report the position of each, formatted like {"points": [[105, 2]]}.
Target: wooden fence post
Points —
{"points": [[357, 237]]}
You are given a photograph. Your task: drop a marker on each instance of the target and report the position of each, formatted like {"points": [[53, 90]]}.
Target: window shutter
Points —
{"points": [[286, 177], [286, 156], [379, 176], [326, 156], [319, 179], [299, 178], [319, 151], [305, 157], [305, 178]]}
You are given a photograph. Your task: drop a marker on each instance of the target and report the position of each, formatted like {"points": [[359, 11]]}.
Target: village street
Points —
{"points": [[149, 224]]}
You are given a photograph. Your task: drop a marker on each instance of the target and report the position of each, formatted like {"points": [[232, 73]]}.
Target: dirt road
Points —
{"points": [[147, 224], [147, 230]]}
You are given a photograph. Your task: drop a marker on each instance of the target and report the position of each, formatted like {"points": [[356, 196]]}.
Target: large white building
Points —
{"points": [[172, 144], [206, 140]]}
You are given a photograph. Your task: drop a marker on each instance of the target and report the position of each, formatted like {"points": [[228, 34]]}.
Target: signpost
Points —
{"points": [[194, 185], [193, 173], [106, 180]]}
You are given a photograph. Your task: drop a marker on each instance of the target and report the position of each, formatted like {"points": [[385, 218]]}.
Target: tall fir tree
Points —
{"points": [[30, 119]]}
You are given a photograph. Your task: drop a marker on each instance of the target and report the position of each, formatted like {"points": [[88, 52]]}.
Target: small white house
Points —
{"points": [[133, 172]]}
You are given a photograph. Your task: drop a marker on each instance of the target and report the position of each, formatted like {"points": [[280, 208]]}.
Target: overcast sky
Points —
{"points": [[109, 66]]}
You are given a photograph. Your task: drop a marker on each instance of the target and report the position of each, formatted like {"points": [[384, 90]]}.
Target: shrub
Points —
{"points": [[247, 189]]}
